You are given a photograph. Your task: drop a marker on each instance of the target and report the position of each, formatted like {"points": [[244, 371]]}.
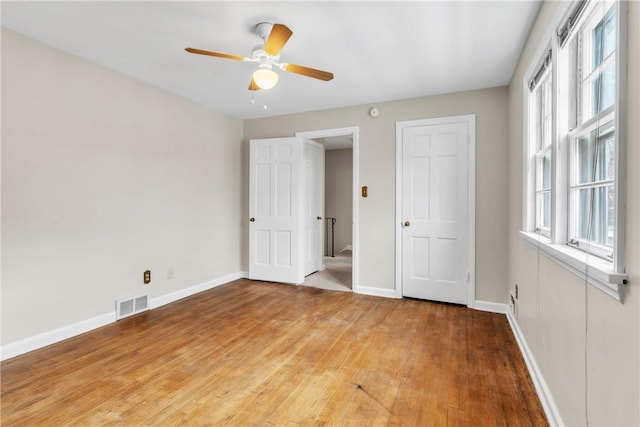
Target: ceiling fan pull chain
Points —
{"points": [[253, 101], [265, 100]]}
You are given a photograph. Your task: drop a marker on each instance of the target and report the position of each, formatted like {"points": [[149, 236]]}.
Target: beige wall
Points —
{"points": [[104, 177], [552, 301], [338, 190], [377, 171]]}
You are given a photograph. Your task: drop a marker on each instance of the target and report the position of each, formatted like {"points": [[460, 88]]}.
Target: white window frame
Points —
{"points": [[540, 147], [592, 265]]}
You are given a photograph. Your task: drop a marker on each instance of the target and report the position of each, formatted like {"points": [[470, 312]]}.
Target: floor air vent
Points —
{"points": [[129, 307]]}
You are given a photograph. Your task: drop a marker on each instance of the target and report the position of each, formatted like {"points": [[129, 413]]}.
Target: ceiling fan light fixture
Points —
{"points": [[265, 78]]}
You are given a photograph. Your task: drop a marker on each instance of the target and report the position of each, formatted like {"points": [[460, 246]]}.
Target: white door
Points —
{"points": [[275, 210], [434, 211], [313, 205]]}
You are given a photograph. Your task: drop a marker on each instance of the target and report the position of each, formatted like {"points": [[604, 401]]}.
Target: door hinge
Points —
{"points": [[468, 277]]}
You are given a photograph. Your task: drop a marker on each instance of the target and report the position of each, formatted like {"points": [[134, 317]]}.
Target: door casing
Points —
{"points": [[355, 133]]}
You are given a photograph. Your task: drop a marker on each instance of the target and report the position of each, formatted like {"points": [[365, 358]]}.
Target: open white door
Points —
{"points": [[275, 210], [434, 209], [313, 205]]}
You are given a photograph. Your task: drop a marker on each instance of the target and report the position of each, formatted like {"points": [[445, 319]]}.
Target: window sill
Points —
{"points": [[599, 272]]}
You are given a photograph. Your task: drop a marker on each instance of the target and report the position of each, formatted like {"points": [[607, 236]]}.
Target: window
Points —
{"points": [[541, 153], [592, 207], [574, 185]]}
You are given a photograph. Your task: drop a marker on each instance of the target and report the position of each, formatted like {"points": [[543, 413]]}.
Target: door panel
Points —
{"points": [[276, 210], [434, 259]]}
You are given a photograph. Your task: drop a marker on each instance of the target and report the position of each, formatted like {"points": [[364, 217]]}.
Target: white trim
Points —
{"points": [[621, 119], [491, 307], [544, 394], [376, 292], [51, 337], [187, 292], [347, 248], [599, 272], [470, 119], [355, 132], [60, 334]]}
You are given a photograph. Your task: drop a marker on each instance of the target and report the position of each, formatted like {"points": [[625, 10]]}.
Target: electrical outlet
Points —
{"points": [[146, 277]]}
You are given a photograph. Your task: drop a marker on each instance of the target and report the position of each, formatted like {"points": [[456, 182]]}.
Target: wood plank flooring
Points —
{"points": [[255, 353]]}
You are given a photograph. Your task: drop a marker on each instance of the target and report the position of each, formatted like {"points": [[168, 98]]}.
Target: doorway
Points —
{"points": [[435, 209], [339, 269]]}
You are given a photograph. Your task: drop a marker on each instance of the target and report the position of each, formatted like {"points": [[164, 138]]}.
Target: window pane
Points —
{"points": [[609, 36], [603, 89], [546, 210], [543, 201], [603, 38], [547, 131], [546, 170], [595, 216], [596, 52], [596, 162]]}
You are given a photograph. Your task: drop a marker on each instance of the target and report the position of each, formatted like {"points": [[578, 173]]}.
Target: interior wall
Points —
{"points": [[103, 177], [338, 185], [377, 222], [555, 306]]}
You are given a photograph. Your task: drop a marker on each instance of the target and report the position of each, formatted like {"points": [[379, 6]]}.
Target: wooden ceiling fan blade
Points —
{"points": [[218, 54], [278, 37], [253, 85], [306, 71]]}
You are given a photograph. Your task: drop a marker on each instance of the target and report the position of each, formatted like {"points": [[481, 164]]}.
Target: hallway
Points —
{"points": [[336, 276]]}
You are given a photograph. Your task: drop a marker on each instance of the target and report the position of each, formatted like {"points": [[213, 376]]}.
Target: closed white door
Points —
{"points": [[275, 210], [433, 211], [313, 205]]}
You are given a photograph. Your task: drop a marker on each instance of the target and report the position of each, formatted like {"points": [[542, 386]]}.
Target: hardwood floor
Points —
{"points": [[255, 353]]}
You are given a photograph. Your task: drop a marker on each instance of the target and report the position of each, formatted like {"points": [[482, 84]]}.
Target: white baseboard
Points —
{"points": [[187, 292], [47, 338], [548, 404], [51, 337], [376, 292], [492, 307]]}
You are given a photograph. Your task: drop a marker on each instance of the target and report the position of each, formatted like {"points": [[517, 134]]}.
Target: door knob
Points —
{"points": [[252, 219], [407, 223], [319, 217]]}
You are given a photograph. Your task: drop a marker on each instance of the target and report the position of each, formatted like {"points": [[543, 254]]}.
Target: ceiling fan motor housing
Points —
{"points": [[263, 58]]}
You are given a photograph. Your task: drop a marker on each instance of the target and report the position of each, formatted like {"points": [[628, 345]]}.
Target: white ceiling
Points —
{"points": [[378, 51]]}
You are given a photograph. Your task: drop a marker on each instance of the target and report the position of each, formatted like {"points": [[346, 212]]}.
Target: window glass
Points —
{"points": [[599, 81], [596, 209], [546, 170], [595, 157], [604, 38]]}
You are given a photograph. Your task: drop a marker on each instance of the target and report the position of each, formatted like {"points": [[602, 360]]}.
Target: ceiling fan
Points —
{"points": [[274, 36]]}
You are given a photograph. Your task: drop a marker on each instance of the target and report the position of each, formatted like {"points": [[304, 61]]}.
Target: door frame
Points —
{"points": [[470, 120], [354, 131]]}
